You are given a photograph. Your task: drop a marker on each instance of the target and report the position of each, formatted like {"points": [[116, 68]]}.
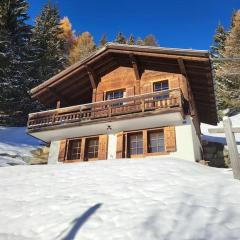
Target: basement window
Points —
{"points": [[74, 149], [156, 141]]}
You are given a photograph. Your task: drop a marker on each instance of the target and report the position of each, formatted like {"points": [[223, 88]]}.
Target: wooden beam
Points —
{"points": [[221, 130], [58, 96], [92, 76], [136, 66]]}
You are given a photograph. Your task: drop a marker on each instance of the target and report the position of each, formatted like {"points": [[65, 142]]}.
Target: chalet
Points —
{"points": [[127, 102]]}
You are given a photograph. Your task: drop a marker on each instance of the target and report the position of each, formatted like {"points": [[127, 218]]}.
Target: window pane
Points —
{"points": [[115, 95], [136, 143], [74, 149], [160, 86], [156, 142], [92, 148]]}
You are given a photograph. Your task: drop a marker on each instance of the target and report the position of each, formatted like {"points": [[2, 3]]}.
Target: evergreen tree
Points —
{"points": [[150, 40], [84, 45], [120, 38], [50, 46], [102, 41], [140, 42], [219, 41], [227, 71], [131, 40], [15, 61]]}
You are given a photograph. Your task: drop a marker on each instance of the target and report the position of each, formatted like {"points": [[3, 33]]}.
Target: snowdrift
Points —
{"points": [[119, 199]]}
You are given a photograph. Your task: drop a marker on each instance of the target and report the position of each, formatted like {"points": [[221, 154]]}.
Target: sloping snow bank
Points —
{"points": [[119, 199], [220, 137], [15, 144]]}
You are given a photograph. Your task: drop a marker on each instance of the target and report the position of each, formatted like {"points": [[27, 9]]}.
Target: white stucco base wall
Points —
{"points": [[188, 145], [53, 152], [112, 146]]}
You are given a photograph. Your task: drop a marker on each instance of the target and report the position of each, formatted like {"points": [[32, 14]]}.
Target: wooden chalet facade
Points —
{"points": [[127, 102]]}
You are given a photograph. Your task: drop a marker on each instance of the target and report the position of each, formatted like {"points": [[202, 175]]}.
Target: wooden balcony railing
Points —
{"points": [[150, 102]]}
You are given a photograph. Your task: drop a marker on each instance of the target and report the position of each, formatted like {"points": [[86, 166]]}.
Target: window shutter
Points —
{"points": [[170, 139], [174, 83], [147, 88], [62, 150], [99, 96], [120, 144], [130, 92], [102, 147]]}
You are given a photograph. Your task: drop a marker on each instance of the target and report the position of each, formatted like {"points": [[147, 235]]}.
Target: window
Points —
{"points": [[161, 86], [136, 144], [156, 141], [115, 95], [74, 149], [92, 148]]}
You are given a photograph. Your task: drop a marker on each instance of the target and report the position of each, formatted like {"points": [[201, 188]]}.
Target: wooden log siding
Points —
{"points": [[105, 109], [62, 150], [170, 139], [102, 147], [130, 91]]}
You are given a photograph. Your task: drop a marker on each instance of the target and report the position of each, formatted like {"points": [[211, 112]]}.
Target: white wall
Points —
{"points": [[112, 146], [54, 152], [188, 146]]}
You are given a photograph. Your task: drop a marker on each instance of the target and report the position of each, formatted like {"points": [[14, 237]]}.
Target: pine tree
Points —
{"points": [[140, 42], [50, 46], [216, 52], [15, 61], [219, 41], [131, 40], [150, 40], [102, 41], [120, 38], [227, 71], [84, 45]]}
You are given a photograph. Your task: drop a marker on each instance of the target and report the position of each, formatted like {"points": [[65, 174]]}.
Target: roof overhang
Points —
{"points": [[78, 80]]}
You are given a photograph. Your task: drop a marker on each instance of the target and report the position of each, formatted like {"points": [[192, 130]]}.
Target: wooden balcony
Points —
{"points": [[110, 110]]}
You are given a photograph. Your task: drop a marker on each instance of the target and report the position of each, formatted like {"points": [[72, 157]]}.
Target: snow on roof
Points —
{"points": [[120, 199]]}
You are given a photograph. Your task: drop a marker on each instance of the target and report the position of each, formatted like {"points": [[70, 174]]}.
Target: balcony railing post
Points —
{"points": [[143, 105]]}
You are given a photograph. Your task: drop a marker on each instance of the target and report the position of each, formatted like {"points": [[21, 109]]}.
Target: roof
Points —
{"points": [[74, 82]]}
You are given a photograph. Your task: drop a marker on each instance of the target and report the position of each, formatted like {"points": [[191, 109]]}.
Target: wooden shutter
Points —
{"points": [[62, 150], [173, 83], [129, 91], [170, 139], [120, 145], [102, 147], [99, 96], [147, 88]]}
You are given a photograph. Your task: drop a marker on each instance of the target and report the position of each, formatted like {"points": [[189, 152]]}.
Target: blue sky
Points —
{"points": [[175, 23]]}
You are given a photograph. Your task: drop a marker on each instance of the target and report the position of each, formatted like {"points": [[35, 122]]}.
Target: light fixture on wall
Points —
{"points": [[109, 128]]}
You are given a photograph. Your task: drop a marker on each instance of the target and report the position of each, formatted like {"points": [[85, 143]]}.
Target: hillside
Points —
{"points": [[119, 199], [16, 145]]}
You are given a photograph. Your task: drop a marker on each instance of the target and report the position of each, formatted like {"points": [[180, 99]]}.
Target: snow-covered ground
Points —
{"points": [[15, 144], [120, 199], [220, 137]]}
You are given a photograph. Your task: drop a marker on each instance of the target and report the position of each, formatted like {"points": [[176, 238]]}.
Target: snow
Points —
{"points": [[15, 144], [220, 137], [119, 199]]}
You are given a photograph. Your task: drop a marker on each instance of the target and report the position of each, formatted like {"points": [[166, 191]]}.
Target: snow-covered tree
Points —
{"points": [[120, 38], [15, 60], [227, 71], [131, 40], [50, 45]]}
